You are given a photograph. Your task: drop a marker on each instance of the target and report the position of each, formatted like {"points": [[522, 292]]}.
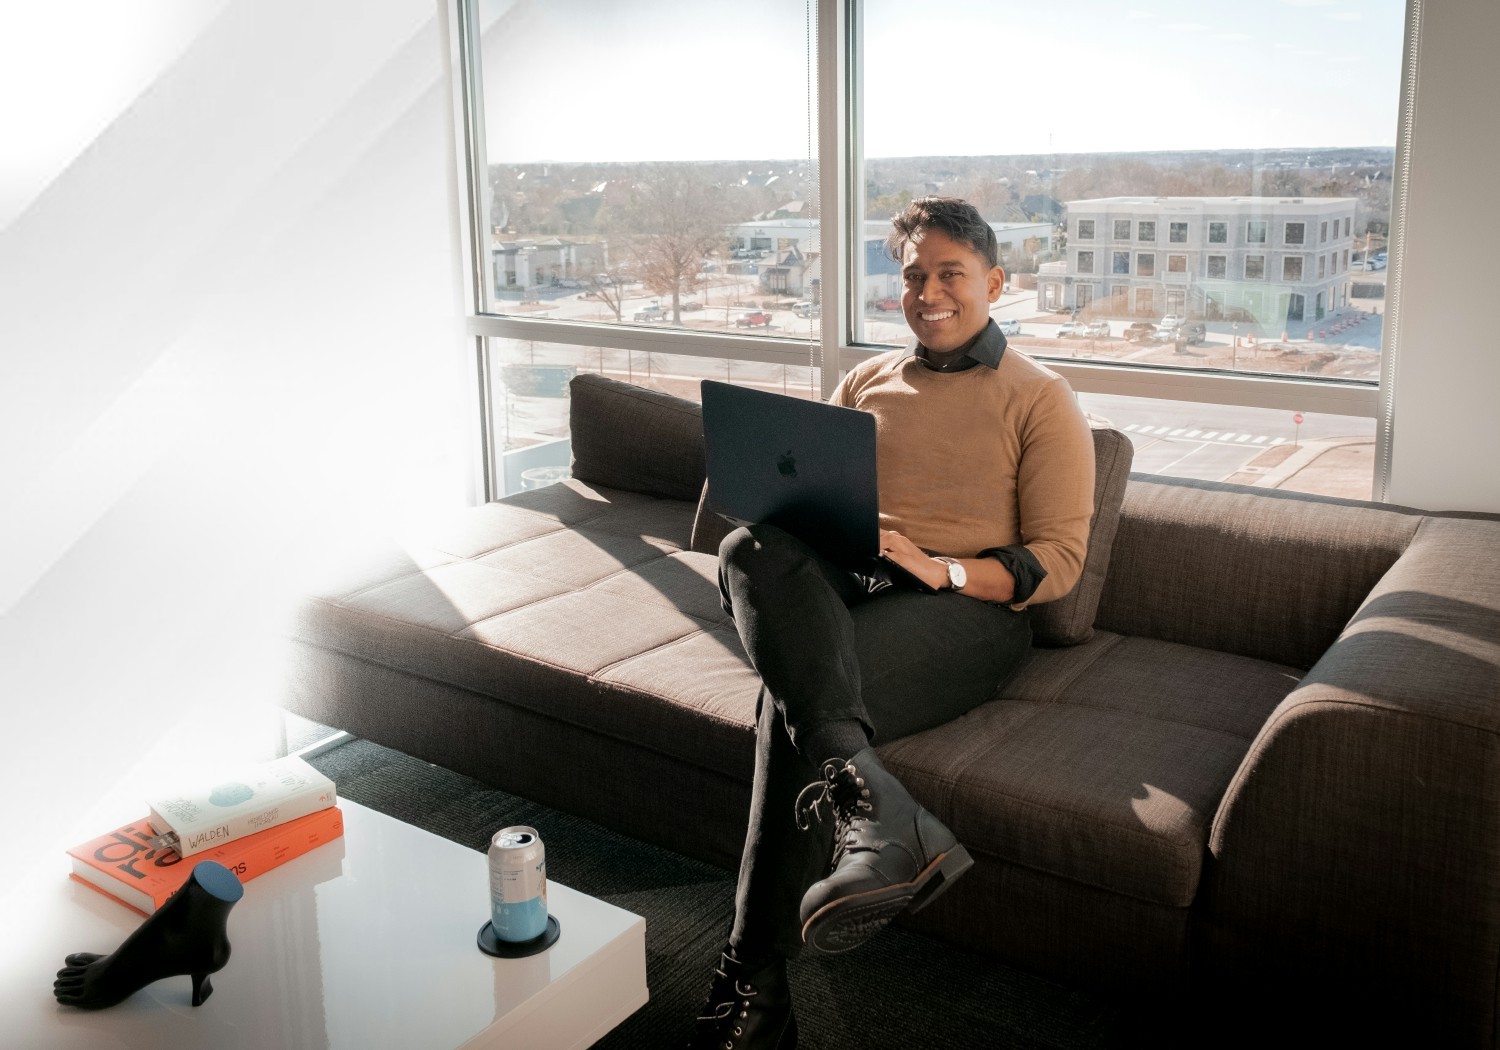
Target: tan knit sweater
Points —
{"points": [[986, 457]]}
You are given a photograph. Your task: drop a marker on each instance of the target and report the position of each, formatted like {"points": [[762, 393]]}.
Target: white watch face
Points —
{"points": [[957, 575]]}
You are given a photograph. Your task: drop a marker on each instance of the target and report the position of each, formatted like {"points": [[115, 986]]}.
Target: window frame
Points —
{"points": [[838, 59]]}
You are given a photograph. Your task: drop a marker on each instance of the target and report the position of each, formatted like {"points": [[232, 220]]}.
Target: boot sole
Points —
{"points": [[850, 921]]}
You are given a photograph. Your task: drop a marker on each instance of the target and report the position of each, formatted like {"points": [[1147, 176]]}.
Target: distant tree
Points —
{"points": [[608, 286], [1284, 182], [671, 217], [886, 205]]}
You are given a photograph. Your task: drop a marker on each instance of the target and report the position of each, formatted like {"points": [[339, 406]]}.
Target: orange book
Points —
{"points": [[123, 864]]}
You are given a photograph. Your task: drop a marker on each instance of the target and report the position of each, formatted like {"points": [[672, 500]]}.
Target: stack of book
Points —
{"points": [[254, 821]]}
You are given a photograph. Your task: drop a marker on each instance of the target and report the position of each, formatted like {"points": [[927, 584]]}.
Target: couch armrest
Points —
{"points": [[1357, 850]]}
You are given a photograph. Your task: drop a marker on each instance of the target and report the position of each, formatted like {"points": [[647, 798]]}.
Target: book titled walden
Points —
{"points": [[246, 803], [128, 867]]}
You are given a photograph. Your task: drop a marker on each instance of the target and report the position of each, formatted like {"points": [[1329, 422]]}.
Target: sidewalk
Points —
{"points": [[1341, 467]]}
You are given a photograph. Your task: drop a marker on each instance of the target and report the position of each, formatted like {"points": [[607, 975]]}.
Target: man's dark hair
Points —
{"points": [[957, 218]]}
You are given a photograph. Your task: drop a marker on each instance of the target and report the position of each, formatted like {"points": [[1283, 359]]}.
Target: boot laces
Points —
{"points": [[843, 790], [725, 1017]]}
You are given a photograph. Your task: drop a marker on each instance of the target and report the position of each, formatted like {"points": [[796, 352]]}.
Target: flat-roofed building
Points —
{"points": [[1262, 259]]}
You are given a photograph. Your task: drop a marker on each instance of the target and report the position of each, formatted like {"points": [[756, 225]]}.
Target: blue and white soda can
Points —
{"points": [[518, 884]]}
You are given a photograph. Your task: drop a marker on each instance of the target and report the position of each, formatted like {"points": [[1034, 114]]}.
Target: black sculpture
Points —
{"points": [[186, 935]]}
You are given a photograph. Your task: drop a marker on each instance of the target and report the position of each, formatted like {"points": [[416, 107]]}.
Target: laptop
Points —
{"points": [[803, 466]]}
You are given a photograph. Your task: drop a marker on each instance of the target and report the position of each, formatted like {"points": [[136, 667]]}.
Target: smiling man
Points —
{"points": [[986, 476]]}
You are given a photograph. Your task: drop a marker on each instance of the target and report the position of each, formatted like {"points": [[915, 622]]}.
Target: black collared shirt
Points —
{"points": [[986, 349]]}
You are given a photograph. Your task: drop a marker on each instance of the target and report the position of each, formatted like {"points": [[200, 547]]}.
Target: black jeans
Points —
{"points": [[826, 648]]}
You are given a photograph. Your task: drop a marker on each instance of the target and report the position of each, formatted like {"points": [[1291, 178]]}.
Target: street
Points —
{"points": [[1181, 439]]}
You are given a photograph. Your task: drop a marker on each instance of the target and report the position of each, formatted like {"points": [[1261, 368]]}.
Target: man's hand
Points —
{"points": [[988, 580], [910, 557]]}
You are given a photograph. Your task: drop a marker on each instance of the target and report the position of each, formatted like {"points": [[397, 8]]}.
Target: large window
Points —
{"points": [[625, 185], [664, 184]]}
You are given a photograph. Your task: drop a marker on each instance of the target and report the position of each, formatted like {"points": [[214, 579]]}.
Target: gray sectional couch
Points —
{"points": [[1252, 764]]}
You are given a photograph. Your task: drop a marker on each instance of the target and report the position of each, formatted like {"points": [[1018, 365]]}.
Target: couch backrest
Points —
{"points": [[629, 437], [1268, 574]]}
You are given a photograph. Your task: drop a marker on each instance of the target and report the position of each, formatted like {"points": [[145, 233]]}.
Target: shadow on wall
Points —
{"points": [[239, 339]]}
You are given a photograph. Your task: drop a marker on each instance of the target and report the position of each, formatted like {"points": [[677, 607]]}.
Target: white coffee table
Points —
{"points": [[365, 944]]}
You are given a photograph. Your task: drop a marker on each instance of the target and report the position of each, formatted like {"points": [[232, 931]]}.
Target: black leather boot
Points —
{"points": [[890, 854], [747, 1010]]}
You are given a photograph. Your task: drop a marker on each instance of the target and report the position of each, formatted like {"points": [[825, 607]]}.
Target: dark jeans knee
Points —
{"points": [[754, 552]]}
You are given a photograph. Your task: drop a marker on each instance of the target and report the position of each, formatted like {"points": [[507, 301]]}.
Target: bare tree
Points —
{"points": [[671, 218], [608, 286]]}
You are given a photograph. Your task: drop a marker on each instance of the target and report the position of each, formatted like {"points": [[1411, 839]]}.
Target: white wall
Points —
{"points": [[231, 328], [1447, 384]]}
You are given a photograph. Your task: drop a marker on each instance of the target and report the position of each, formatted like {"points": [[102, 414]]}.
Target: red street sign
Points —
{"points": [[1297, 418]]}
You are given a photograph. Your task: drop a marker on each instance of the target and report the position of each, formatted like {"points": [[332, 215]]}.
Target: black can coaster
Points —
{"points": [[492, 945]]}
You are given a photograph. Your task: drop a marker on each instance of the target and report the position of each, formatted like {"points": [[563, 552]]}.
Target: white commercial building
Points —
{"points": [[1261, 259], [782, 243]]}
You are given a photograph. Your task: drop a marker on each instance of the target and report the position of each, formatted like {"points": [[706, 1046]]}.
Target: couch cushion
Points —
{"points": [[575, 602], [1102, 763], [612, 422], [1070, 619], [709, 528], [1268, 574]]}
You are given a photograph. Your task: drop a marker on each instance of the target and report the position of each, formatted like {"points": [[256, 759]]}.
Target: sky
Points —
{"points": [[581, 80]]}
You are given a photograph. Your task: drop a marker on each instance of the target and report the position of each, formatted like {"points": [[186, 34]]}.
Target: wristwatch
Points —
{"points": [[957, 575]]}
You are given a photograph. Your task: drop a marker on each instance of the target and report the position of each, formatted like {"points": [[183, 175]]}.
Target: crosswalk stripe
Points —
{"points": [[1223, 436]]}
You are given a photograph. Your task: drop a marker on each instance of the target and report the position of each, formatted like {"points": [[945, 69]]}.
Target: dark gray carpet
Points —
{"points": [[903, 991]]}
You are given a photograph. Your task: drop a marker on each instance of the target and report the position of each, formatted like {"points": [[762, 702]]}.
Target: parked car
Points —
{"points": [[888, 304], [806, 309], [753, 319], [1171, 321], [1140, 331], [1192, 334], [654, 312], [688, 305], [1009, 326], [1072, 330]]}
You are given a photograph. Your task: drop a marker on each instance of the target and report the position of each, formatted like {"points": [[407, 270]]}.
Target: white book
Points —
{"points": [[245, 802]]}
